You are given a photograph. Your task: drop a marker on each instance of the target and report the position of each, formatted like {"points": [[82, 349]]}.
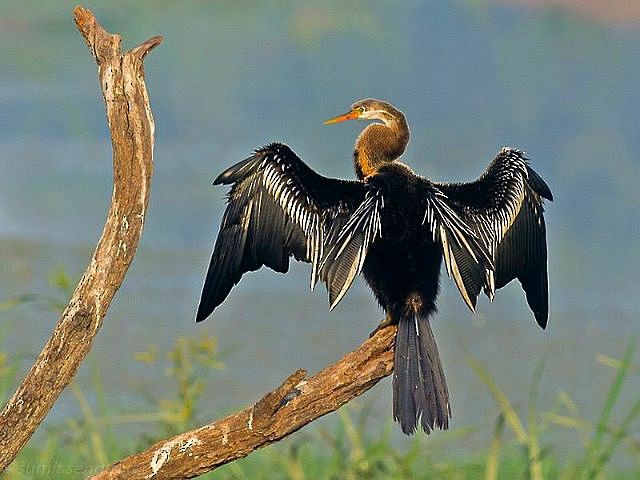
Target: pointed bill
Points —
{"points": [[352, 115]]}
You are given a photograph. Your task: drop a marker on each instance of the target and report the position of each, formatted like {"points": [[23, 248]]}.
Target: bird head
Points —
{"points": [[368, 109]]}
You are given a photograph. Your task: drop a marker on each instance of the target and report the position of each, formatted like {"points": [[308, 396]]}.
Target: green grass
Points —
{"points": [[516, 446]]}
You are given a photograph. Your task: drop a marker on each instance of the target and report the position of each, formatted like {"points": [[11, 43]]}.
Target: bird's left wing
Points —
{"points": [[504, 207], [348, 246], [278, 207]]}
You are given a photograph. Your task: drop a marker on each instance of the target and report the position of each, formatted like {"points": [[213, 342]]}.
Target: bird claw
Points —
{"points": [[295, 392], [384, 323]]}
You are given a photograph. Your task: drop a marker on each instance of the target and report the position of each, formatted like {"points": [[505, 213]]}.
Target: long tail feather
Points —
{"points": [[419, 386]]}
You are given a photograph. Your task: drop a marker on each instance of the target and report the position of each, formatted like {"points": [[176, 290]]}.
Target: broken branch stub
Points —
{"points": [[131, 124]]}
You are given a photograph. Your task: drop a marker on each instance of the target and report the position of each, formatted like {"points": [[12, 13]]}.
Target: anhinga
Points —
{"points": [[393, 226]]}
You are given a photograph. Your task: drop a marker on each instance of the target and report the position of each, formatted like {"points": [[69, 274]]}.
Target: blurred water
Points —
{"points": [[231, 77]]}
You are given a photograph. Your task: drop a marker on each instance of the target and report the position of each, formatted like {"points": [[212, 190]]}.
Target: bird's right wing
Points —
{"points": [[465, 257], [278, 207]]}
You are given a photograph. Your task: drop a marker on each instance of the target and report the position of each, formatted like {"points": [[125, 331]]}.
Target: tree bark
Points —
{"points": [[295, 403], [131, 123]]}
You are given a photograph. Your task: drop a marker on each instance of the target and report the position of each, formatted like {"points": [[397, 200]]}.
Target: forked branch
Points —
{"points": [[130, 120]]}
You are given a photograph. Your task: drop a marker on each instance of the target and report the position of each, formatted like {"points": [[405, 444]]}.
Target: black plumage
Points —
{"points": [[395, 228]]}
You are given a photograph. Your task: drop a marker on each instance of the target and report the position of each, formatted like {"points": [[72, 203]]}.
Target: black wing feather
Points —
{"points": [[277, 207], [465, 256], [349, 245], [505, 209]]}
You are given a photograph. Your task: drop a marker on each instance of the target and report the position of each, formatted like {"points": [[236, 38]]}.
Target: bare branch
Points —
{"points": [[297, 402], [291, 406], [132, 128]]}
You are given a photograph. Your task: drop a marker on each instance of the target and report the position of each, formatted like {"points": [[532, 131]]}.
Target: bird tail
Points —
{"points": [[419, 387]]}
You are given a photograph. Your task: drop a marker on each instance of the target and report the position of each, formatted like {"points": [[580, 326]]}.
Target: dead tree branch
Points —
{"points": [[295, 403], [131, 123]]}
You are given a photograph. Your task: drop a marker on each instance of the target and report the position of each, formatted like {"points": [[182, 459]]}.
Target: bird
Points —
{"points": [[394, 227]]}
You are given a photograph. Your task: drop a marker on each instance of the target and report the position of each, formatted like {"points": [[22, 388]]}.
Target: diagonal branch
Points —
{"points": [[130, 120], [297, 402]]}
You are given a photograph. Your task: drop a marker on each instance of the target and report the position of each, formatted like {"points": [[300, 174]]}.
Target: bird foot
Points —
{"points": [[384, 323], [290, 396]]}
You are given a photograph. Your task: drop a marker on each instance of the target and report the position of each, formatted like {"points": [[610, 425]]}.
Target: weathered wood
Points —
{"points": [[297, 402], [131, 123]]}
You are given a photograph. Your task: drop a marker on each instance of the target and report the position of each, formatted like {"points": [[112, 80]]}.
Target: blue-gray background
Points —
{"points": [[231, 76]]}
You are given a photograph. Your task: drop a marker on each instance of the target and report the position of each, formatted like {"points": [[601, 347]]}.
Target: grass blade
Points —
{"points": [[535, 466], [507, 409], [94, 434], [621, 433], [594, 458], [493, 456]]}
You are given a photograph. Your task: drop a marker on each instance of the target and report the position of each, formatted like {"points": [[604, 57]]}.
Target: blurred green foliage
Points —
{"points": [[516, 447], [186, 368]]}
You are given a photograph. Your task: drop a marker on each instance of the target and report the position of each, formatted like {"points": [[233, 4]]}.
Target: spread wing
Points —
{"points": [[465, 256], [279, 207], [504, 207], [349, 245]]}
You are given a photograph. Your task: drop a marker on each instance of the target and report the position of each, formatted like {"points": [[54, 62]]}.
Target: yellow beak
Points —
{"points": [[352, 115]]}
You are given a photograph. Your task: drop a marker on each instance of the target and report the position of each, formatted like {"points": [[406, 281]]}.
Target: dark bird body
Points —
{"points": [[395, 227]]}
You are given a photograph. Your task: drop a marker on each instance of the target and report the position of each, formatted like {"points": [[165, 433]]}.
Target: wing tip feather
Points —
{"points": [[542, 318], [538, 184], [202, 314], [230, 174]]}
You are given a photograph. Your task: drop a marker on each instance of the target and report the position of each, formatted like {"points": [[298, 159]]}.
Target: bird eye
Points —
{"points": [[361, 109]]}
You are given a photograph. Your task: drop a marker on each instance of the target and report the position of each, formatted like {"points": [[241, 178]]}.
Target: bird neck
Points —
{"points": [[379, 144]]}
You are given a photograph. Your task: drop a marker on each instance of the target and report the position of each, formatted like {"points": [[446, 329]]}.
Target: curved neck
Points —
{"points": [[380, 143]]}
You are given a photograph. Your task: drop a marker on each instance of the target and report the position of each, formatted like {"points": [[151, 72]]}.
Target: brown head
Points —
{"points": [[379, 143]]}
